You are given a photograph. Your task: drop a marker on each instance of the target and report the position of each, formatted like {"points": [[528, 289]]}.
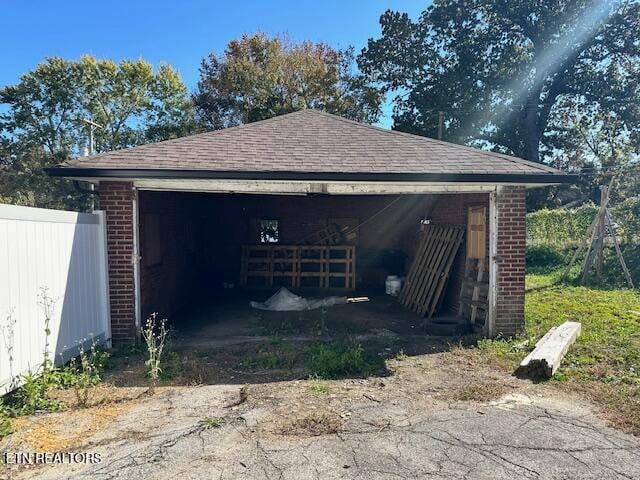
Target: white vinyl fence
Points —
{"points": [[54, 257]]}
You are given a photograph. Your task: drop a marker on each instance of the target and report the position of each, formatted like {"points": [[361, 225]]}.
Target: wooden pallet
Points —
{"points": [[319, 266], [430, 269]]}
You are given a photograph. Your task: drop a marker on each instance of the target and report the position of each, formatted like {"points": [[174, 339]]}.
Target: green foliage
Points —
{"points": [[401, 356], [33, 395], [559, 227], [172, 365], [43, 124], [608, 349], [212, 422], [319, 327], [489, 67], [85, 372], [332, 360], [6, 427], [155, 335], [270, 356], [540, 258], [319, 388], [259, 77]]}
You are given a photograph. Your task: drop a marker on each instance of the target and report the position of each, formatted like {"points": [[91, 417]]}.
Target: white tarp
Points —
{"points": [[285, 301]]}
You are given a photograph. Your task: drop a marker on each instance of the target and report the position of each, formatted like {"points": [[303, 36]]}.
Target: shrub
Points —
{"points": [[332, 360], [559, 227], [540, 259]]}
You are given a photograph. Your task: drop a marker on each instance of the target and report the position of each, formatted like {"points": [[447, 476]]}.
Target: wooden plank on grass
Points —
{"points": [[545, 359]]}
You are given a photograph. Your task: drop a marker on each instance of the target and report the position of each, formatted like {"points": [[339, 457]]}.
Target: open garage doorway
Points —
{"points": [[205, 256]]}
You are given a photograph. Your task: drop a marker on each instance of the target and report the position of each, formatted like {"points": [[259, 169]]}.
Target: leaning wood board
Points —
{"points": [[429, 272]]}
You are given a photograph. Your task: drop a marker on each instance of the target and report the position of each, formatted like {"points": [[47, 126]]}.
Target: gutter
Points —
{"points": [[116, 173]]}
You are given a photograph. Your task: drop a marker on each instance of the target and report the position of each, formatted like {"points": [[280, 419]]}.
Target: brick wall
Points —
{"points": [[394, 228], [116, 199], [511, 244]]}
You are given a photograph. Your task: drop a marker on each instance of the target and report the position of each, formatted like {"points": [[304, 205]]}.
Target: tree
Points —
{"points": [[132, 103], [43, 123], [502, 71], [260, 77]]}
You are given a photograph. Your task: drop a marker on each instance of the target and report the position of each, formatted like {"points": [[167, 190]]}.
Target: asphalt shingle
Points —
{"points": [[311, 141]]}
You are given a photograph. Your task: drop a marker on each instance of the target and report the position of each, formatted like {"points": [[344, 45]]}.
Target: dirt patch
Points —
{"points": [[479, 392], [60, 431], [315, 423]]}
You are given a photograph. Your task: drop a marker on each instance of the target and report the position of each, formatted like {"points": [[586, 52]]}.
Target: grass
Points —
{"points": [[319, 388], [212, 422], [604, 363], [335, 360], [272, 356]]}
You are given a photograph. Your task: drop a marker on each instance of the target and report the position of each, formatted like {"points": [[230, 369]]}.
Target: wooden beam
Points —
{"points": [[545, 359]]}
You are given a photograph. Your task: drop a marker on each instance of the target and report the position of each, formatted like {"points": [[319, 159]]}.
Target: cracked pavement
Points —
{"points": [[403, 427]]}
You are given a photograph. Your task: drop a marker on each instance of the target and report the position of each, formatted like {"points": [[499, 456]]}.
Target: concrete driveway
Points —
{"points": [[417, 423]]}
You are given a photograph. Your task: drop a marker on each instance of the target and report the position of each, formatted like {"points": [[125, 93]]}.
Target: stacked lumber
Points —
{"points": [[429, 272], [545, 359]]}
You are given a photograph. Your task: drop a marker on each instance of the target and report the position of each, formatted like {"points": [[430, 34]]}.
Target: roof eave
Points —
{"points": [[121, 174]]}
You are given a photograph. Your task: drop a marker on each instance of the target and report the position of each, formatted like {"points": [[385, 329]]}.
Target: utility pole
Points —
{"points": [[92, 126], [440, 123]]}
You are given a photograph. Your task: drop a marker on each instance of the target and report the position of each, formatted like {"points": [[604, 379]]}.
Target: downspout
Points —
{"points": [[136, 264]]}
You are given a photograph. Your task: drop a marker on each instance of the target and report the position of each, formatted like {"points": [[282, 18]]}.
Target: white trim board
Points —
{"points": [[275, 187]]}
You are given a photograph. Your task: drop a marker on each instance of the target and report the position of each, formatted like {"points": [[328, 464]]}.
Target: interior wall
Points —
{"points": [[201, 235]]}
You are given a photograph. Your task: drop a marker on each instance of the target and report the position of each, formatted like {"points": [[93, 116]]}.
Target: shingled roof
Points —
{"points": [[308, 142]]}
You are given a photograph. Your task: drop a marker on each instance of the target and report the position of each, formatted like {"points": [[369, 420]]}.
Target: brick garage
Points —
{"points": [[169, 204]]}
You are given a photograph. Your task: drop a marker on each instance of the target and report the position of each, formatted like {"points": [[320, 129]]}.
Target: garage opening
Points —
{"points": [[205, 256]]}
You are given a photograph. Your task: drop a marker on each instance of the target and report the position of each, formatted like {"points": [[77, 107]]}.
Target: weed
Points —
{"points": [[479, 392], [332, 360], [315, 423], [274, 355], [401, 356], [212, 422], [33, 395], [155, 336], [172, 365], [319, 388], [319, 327], [6, 427], [85, 372]]}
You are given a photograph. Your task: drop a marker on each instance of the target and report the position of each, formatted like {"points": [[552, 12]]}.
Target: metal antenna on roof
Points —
{"points": [[92, 126]]}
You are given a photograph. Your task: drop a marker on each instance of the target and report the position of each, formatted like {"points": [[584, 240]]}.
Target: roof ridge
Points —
{"points": [[503, 156]]}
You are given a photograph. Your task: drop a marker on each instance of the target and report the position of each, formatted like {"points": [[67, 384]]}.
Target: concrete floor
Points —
{"points": [[232, 317]]}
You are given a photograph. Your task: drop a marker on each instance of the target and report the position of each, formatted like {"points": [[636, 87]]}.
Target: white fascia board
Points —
{"points": [[275, 187]]}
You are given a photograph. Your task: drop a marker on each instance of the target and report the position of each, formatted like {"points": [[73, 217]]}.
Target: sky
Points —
{"points": [[180, 32]]}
